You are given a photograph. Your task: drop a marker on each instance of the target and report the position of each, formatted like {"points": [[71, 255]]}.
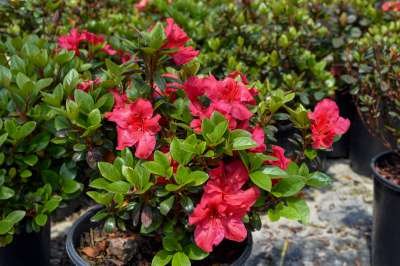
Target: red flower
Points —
{"points": [[391, 6], [142, 4], [184, 55], [71, 41], [258, 136], [229, 97], [177, 39], [136, 125], [326, 124], [175, 35], [222, 207], [85, 85], [279, 153]]}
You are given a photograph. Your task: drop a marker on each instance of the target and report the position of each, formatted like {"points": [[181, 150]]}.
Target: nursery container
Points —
{"points": [[363, 147], [83, 224], [28, 249], [386, 229], [348, 110]]}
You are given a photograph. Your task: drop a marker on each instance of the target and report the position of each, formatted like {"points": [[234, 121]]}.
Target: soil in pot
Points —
{"points": [[99, 248], [86, 243], [389, 168], [386, 230]]}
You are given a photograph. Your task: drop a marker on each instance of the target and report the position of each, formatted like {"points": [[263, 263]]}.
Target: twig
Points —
{"points": [[283, 253]]}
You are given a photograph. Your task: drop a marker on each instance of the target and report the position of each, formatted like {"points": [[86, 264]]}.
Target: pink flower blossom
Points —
{"points": [[142, 4], [258, 136], [136, 125], [228, 97], [391, 6], [71, 41], [222, 207], [85, 85], [177, 39], [326, 124], [279, 153]]}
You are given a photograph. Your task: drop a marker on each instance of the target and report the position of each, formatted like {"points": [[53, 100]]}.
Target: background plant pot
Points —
{"points": [[386, 229], [83, 224], [363, 147], [70, 207], [28, 249], [348, 110]]}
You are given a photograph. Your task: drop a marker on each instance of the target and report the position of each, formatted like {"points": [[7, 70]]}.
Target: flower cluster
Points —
{"points": [[223, 205], [326, 124], [228, 97], [176, 40], [391, 6], [74, 39], [136, 125]]}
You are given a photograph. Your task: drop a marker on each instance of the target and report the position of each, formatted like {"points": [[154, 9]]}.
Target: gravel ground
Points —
{"points": [[338, 232]]}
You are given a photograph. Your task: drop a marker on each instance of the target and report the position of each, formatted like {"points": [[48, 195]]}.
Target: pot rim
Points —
{"points": [[73, 254], [380, 178], [69, 244]]}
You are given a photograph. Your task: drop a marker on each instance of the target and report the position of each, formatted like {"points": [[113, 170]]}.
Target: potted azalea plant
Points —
{"points": [[190, 171], [375, 65], [34, 178]]}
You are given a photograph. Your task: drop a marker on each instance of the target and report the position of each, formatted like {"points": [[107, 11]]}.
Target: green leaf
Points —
{"points": [[243, 143], [198, 177], [3, 138], [288, 186], [119, 187], [5, 76], [178, 154], [71, 80], [94, 117], [161, 258], [262, 180], [41, 219], [100, 198], [194, 252], [109, 171], [26, 129], [12, 218], [99, 183], [84, 100], [274, 171], [155, 168], [319, 180], [166, 205], [31, 159], [110, 225], [170, 243], [180, 259], [6, 193], [52, 204], [70, 186], [294, 209], [157, 36]]}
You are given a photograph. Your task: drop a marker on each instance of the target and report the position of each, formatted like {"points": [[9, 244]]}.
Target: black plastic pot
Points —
{"points": [[83, 224], [363, 147], [348, 110], [28, 249], [386, 224]]}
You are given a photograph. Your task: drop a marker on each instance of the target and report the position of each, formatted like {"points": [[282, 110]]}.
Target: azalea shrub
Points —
{"points": [[373, 66], [36, 173], [184, 158], [275, 42]]}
